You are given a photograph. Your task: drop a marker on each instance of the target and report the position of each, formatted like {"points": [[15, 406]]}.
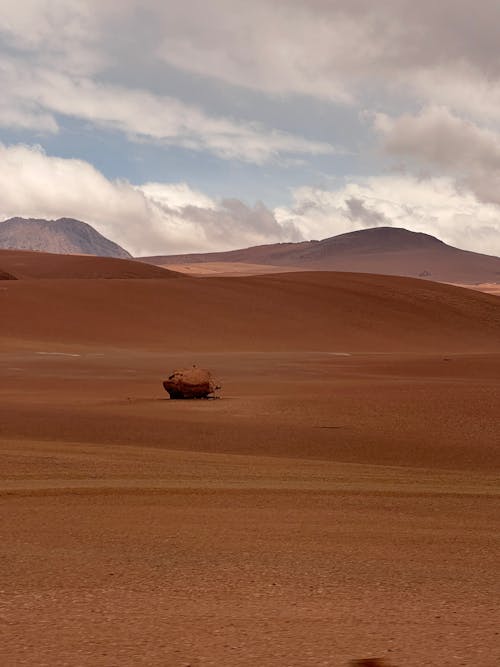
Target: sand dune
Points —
{"points": [[27, 264], [301, 311]]}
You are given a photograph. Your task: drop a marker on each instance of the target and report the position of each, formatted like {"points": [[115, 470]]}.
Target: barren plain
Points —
{"points": [[340, 501]]}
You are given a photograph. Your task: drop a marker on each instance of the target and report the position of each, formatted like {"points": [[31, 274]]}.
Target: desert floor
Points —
{"points": [[329, 507]]}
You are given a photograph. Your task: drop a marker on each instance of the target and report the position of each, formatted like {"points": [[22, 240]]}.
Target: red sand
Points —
{"points": [[331, 312], [327, 508], [27, 264]]}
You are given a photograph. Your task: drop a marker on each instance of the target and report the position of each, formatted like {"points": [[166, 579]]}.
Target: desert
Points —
{"points": [[379, 250], [249, 333], [340, 500]]}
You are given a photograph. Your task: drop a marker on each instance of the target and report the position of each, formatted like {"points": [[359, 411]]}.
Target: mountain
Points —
{"points": [[381, 250], [62, 236]]}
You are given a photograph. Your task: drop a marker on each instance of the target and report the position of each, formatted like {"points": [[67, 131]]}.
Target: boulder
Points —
{"points": [[190, 383]]}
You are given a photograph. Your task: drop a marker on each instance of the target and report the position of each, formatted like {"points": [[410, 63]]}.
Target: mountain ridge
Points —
{"points": [[379, 250], [65, 236]]}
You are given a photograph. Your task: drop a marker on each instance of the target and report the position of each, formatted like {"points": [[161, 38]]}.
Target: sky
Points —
{"points": [[196, 126]]}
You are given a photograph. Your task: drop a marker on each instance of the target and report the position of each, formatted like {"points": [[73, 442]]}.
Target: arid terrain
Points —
{"points": [[340, 501], [382, 250]]}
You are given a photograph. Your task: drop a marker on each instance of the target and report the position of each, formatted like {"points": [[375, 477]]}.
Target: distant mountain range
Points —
{"points": [[382, 250], [64, 236]]}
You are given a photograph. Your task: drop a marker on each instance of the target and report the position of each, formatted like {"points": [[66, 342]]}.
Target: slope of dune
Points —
{"points": [[26, 264], [303, 311], [383, 250], [65, 235]]}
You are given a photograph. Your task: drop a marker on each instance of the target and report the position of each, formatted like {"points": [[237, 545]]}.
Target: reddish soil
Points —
{"points": [[340, 501], [27, 264], [330, 312]]}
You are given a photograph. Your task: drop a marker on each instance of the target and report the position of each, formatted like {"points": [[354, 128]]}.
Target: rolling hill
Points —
{"points": [[335, 312], [380, 250], [24, 264]]}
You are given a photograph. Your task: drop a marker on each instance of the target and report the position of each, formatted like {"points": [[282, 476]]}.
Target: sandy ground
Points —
{"points": [[207, 269], [327, 508], [321, 311], [340, 501]]}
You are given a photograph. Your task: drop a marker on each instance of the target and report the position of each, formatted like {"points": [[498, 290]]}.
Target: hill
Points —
{"points": [[23, 264], [65, 236], [329, 312], [381, 250]]}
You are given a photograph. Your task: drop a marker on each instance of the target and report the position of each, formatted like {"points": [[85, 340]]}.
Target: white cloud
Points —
{"points": [[154, 218], [64, 34], [461, 87], [26, 117], [176, 196], [440, 139], [142, 115], [342, 50]]}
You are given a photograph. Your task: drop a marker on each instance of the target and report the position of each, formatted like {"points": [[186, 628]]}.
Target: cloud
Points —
{"points": [[154, 218], [440, 139], [460, 86], [22, 116], [141, 115], [346, 52], [340, 50], [343, 51], [357, 211], [433, 206], [64, 34]]}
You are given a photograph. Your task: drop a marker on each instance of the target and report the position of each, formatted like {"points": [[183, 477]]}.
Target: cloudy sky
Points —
{"points": [[215, 124]]}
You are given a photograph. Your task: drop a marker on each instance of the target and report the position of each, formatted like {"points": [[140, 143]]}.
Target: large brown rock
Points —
{"points": [[190, 383]]}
